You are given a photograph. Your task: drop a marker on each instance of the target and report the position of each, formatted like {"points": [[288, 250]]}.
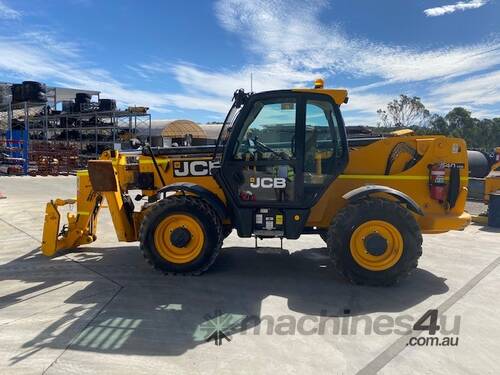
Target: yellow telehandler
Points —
{"points": [[282, 167]]}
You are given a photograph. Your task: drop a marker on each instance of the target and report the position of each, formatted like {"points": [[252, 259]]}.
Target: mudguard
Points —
{"points": [[365, 191], [200, 191]]}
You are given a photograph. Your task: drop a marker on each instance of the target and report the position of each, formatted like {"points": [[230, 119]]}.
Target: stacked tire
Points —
{"points": [[81, 99], [29, 91], [17, 93], [34, 92], [107, 105]]}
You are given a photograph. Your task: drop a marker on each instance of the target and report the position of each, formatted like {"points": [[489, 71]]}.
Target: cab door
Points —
{"points": [[284, 151], [325, 147], [264, 161]]}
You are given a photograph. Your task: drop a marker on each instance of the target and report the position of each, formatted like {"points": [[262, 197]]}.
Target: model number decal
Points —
{"points": [[195, 168], [454, 165]]}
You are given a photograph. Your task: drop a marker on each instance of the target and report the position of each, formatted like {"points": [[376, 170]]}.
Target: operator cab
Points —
{"points": [[281, 152]]}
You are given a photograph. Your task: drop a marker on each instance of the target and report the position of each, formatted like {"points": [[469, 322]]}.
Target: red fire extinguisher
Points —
{"points": [[437, 182]]}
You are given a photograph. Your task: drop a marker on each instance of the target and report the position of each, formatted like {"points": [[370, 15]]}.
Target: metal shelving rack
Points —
{"points": [[16, 117], [90, 132]]}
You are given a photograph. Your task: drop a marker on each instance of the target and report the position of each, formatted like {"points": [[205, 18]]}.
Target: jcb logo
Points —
{"points": [[268, 182], [194, 168]]}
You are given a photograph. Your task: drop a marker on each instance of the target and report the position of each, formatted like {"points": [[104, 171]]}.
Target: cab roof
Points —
{"points": [[339, 96]]}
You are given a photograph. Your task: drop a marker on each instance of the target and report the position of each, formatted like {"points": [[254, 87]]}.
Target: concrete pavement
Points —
{"points": [[102, 309]]}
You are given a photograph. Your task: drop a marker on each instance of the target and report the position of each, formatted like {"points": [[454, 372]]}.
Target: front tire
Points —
{"points": [[375, 242], [181, 235]]}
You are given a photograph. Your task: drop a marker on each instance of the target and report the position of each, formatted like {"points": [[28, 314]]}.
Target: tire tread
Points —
{"points": [[195, 204], [338, 227]]}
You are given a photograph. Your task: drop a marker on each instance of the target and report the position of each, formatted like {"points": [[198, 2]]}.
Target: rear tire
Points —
{"points": [[198, 239], [396, 242]]}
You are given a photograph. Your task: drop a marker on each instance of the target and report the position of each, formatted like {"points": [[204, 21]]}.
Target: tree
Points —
{"points": [[479, 134], [409, 112], [462, 124], [404, 112], [459, 119], [438, 125]]}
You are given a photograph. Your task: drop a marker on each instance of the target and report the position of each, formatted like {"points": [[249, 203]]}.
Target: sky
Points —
{"points": [[184, 59]]}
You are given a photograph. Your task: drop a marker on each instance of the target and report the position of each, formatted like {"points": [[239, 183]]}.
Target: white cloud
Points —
{"points": [[149, 70], [8, 13], [398, 64], [220, 86], [200, 102], [366, 103], [289, 46], [482, 89], [293, 34], [224, 82], [452, 8], [25, 58]]}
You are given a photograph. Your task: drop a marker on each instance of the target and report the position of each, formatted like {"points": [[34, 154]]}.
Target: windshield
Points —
{"points": [[227, 126], [240, 97]]}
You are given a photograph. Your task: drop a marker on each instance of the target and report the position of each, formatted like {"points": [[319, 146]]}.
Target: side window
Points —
{"points": [[268, 132], [322, 145]]}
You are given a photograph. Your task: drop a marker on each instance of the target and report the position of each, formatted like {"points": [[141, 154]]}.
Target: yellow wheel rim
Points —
{"points": [[163, 238], [388, 257]]}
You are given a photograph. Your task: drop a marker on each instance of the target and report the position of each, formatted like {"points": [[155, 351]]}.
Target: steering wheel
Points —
{"points": [[264, 148]]}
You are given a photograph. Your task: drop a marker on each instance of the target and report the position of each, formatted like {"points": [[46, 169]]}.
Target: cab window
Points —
{"points": [[268, 132], [322, 144]]}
